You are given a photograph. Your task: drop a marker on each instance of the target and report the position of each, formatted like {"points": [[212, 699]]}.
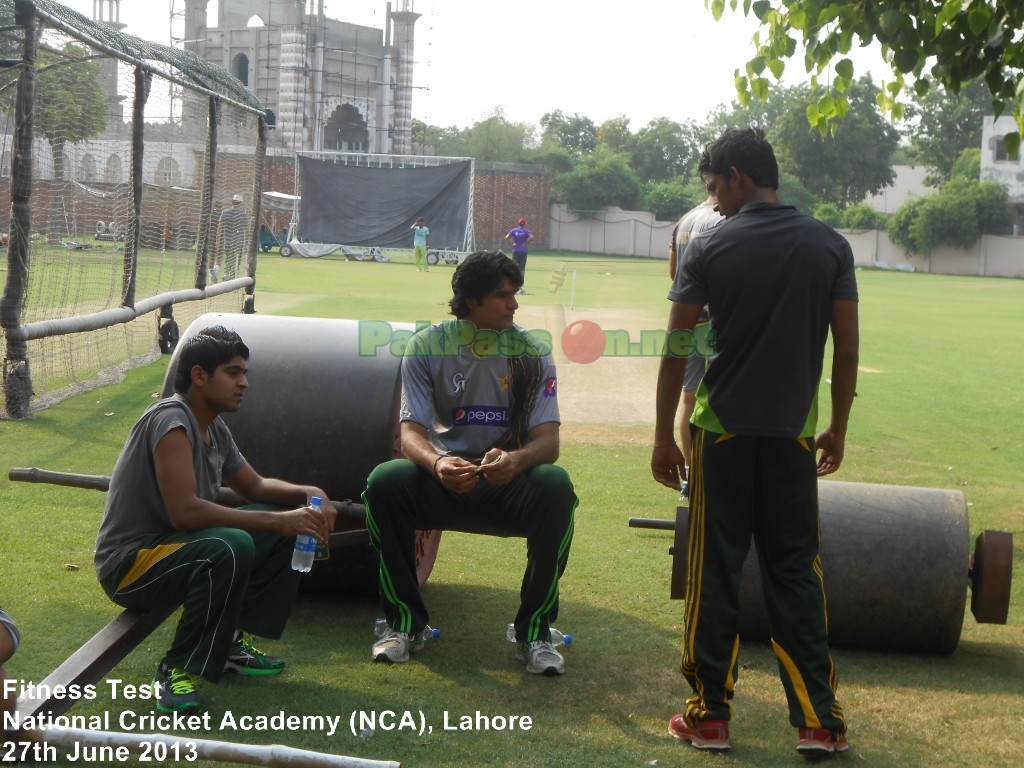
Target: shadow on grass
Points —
{"points": [[610, 708], [620, 671]]}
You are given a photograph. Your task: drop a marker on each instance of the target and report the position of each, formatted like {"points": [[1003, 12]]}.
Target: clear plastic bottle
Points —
{"points": [[380, 628], [557, 637], [305, 545]]}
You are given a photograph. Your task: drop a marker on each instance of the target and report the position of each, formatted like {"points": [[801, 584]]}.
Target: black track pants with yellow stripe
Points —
{"points": [[765, 489], [225, 578]]}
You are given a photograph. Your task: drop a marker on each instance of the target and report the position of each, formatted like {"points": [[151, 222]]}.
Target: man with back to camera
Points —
{"points": [[520, 237], [480, 435], [231, 236], [776, 282], [165, 540]]}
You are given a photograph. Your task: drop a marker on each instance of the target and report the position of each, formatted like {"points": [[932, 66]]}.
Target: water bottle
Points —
{"points": [[305, 545], [557, 637], [381, 627]]}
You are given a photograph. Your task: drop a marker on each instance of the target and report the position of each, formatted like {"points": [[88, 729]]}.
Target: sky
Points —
{"points": [[659, 58]]}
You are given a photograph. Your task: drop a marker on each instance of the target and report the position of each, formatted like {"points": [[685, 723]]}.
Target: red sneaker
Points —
{"points": [[707, 734], [815, 742]]}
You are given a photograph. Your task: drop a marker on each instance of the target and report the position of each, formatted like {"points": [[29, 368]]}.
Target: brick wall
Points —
{"points": [[502, 194]]}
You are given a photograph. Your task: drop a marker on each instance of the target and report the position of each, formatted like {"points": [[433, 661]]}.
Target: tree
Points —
{"points": [[958, 214], [664, 149], [968, 165], [829, 213], [602, 178], [71, 106], [577, 134], [555, 160], [902, 221], [863, 216], [425, 137], [615, 133], [844, 169], [949, 43], [765, 114], [668, 200], [793, 192], [942, 124], [493, 139]]}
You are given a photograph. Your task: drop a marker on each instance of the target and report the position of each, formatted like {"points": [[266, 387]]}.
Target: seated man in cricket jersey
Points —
{"points": [[479, 433]]}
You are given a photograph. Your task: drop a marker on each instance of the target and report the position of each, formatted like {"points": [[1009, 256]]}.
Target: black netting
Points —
{"points": [[120, 162], [374, 205], [128, 47]]}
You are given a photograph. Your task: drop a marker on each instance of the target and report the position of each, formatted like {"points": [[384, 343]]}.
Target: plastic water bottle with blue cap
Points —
{"points": [[305, 545], [557, 637], [380, 628]]}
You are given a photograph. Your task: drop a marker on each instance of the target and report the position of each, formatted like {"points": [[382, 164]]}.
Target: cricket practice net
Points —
{"points": [[117, 156]]}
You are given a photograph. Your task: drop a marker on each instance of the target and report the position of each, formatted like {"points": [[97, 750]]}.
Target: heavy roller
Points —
{"points": [[897, 566]]}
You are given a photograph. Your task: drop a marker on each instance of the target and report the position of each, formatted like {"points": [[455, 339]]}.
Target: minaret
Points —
{"points": [[109, 12], [195, 25], [404, 21], [291, 104], [112, 15]]}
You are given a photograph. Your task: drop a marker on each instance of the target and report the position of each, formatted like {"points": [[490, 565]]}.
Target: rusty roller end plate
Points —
{"points": [[991, 571]]}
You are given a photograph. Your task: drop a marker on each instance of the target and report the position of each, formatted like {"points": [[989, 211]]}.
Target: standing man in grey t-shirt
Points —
{"points": [[164, 539], [696, 220], [479, 431]]}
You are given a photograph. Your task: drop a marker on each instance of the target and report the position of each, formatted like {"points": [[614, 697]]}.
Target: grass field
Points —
{"points": [[939, 406]]}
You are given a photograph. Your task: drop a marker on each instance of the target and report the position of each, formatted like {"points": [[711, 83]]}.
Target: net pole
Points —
{"points": [[206, 204], [143, 83], [257, 200], [17, 377]]}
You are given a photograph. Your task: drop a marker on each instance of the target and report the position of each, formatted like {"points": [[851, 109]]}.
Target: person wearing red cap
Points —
{"points": [[519, 237]]}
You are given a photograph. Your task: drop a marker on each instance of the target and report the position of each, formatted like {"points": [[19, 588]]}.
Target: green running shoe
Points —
{"points": [[246, 659], [177, 691]]}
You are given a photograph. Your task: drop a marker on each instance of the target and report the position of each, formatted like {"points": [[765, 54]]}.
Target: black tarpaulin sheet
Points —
{"points": [[356, 205]]}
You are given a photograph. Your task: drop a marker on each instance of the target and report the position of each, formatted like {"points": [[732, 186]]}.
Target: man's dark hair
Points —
{"points": [[746, 150], [477, 275], [210, 348]]}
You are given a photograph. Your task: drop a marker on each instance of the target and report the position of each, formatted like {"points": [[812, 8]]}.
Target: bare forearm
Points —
{"points": [[270, 490], [670, 384], [419, 450], [844, 386], [198, 514], [542, 449]]}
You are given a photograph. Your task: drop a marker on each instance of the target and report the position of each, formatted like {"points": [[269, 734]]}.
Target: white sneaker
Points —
{"points": [[541, 658], [394, 647]]}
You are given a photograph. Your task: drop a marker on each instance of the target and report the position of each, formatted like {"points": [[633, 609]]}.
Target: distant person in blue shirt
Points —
{"points": [[420, 235], [519, 237]]}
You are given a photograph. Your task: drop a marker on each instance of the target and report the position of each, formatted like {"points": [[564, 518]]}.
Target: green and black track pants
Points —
{"points": [[765, 489], [401, 498], [225, 579]]}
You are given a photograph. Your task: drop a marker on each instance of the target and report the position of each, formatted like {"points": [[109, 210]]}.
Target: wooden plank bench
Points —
{"points": [[93, 661]]}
